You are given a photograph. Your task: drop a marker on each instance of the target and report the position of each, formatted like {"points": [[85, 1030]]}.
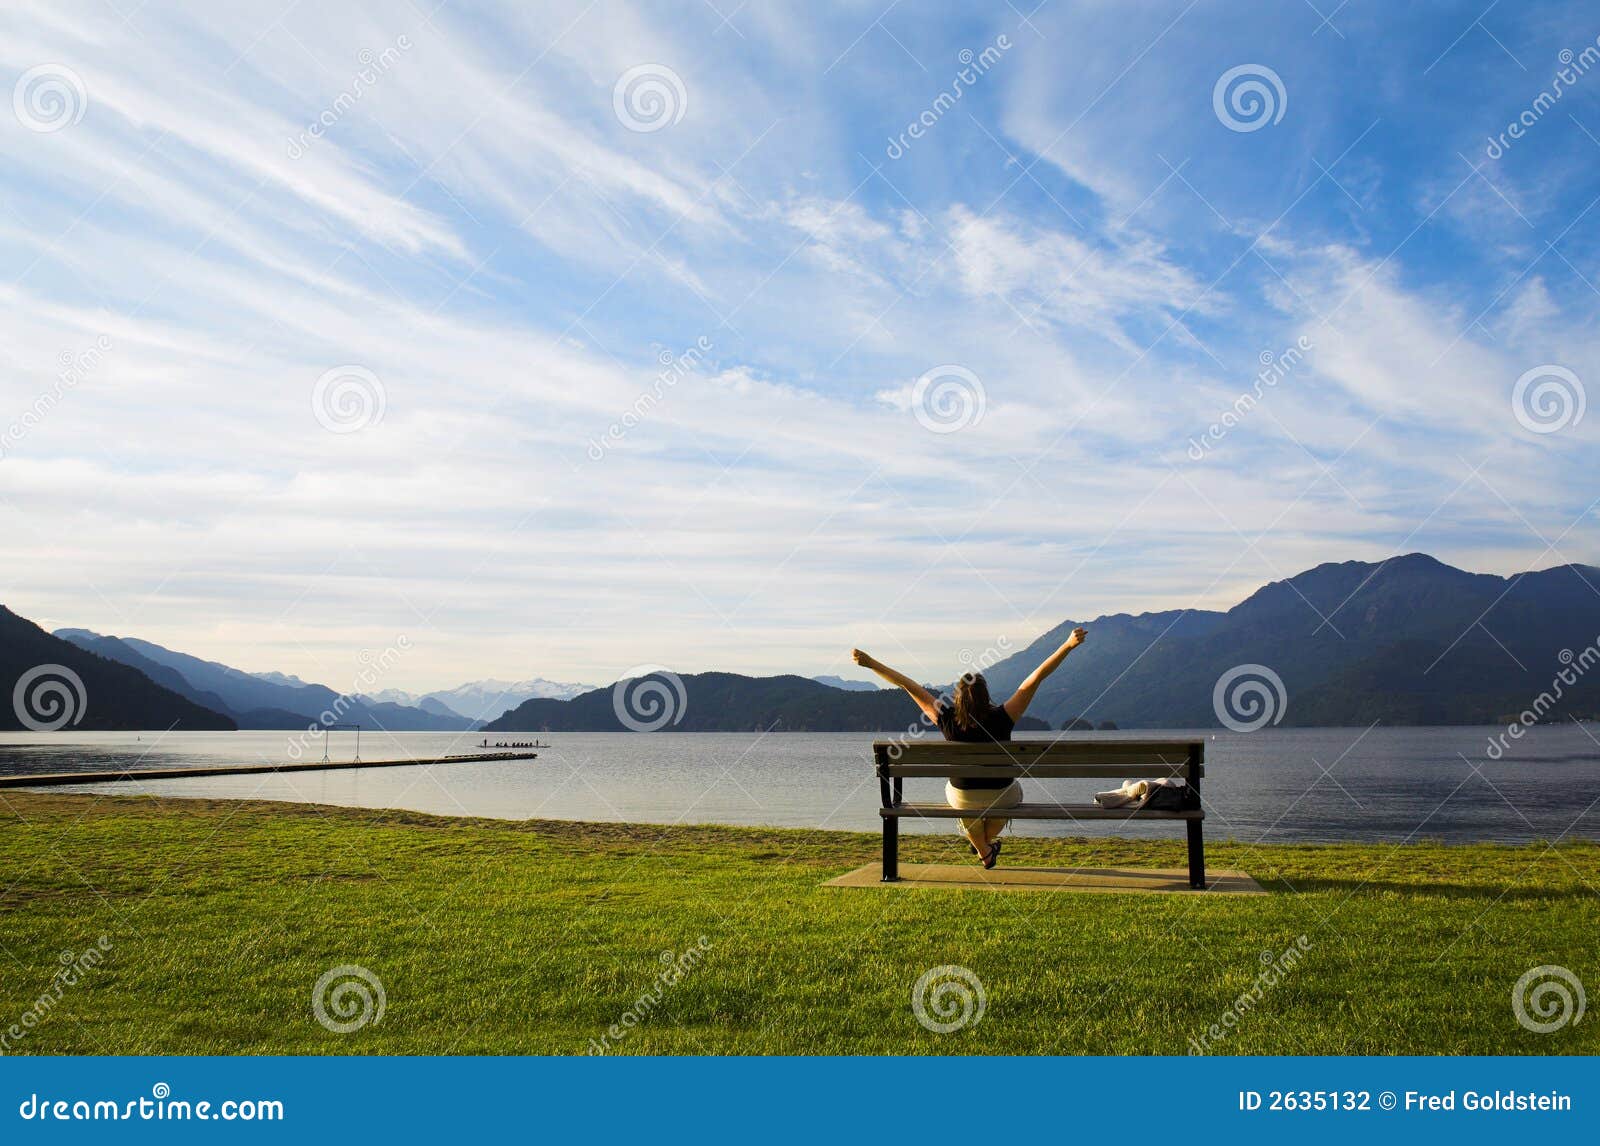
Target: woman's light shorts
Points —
{"points": [[982, 800]]}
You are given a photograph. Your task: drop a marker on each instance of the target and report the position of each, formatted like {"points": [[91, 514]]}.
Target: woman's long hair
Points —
{"points": [[972, 700]]}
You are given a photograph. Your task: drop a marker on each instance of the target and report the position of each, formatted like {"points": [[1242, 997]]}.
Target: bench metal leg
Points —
{"points": [[1197, 855], [891, 849]]}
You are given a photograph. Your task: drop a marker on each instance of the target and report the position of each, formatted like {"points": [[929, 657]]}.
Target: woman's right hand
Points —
{"points": [[1077, 638]]}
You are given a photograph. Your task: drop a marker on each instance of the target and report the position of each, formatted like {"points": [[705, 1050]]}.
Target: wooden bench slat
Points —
{"points": [[1016, 752], [1040, 812], [1045, 747], [1043, 771], [964, 754]]}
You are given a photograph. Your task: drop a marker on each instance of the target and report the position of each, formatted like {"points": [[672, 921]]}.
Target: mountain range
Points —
{"points": [[272, 700], [483, 699], [847, 685], [252, 701], [50, 683], [1405, 641], [721, 702]]}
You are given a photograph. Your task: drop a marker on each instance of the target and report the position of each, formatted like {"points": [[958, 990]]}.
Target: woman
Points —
{"points": [[975, 719]]}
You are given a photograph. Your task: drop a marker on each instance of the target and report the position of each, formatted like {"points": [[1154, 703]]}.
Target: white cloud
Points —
{"points": [[508, 260]]}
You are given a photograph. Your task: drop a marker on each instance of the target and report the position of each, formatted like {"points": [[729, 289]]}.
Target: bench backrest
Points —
{"points": [[1042, 759]]}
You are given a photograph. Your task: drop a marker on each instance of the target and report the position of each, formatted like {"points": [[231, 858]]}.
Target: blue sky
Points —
{"points": [[583, 336]]}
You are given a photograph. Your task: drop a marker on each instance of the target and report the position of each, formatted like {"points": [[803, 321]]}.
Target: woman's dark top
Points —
{"points": [[993, 727]]}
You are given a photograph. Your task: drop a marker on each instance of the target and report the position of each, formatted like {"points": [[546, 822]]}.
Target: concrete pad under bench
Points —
{"points": [[1115, 879]]}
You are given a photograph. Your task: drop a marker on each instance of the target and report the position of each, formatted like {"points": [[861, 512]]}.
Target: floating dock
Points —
{"points": [[51, 779]]}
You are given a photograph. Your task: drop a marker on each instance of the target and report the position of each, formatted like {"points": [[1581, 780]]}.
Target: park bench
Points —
{"points": [[1074, 759]]}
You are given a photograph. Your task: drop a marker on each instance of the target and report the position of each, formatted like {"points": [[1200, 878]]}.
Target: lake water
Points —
{"points": [[1320, 784]]}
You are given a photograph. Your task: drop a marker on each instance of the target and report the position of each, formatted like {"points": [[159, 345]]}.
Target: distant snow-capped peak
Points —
{"points": [[475, 700], [487, 699]]}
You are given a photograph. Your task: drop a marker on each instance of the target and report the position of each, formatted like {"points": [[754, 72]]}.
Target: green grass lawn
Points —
{"points": [[534, 938]]}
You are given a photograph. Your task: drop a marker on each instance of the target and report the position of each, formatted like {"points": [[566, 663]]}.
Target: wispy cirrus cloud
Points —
{"points": [[480, 233]]}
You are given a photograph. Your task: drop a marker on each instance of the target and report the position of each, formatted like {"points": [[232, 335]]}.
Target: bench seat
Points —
{"points": [[1043, 812]]}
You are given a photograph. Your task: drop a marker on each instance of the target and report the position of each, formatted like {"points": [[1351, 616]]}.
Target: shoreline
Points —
{"points": [[135, 775], [634, 828], [1387, 784]]}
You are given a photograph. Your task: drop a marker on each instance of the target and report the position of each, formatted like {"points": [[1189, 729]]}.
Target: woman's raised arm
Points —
{"points": [[1018, 704], [924, 698]]}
